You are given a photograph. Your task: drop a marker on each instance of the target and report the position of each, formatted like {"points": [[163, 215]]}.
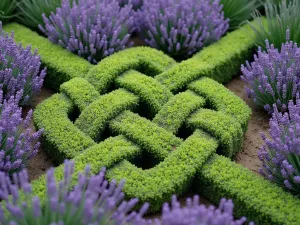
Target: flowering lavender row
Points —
{"points": [[18, 143], [183, 27], [94, 201], [92, 29], [197, 214], [281, 155], [19, 69], [274, 76]]}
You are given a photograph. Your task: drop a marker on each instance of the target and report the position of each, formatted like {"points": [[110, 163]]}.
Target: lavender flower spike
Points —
{"points": [[19, 69], [197, 214], [280, 156], [274, 77], [92, 201], [181, 28], [92, 29], [18, 143]]}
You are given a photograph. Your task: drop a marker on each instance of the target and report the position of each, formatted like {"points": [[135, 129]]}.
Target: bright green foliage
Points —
{"points": [[80, 91], [220, 99], [147, 60], [61, 64], [173, 175], [150, 90], [93, 119], [238, 11], [172, 115], [253, 196], [60, 133], [112, 151], [278, 20], [7, 8], [222, 126], [154, 139], [219, 61]]}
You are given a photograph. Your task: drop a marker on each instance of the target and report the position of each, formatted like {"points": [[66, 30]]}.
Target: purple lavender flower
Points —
{"points": [[274, 77], [181, 28], [196, 214], [92, 201], [93, 29], [19, 69], [280, 156], [18, 143]]}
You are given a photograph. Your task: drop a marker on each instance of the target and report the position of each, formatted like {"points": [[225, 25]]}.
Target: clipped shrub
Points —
{"points": [[18, 143], [19, 69], [238, 11], [92, 201], [279, 18], [181, 29], [90, 28], [280, 156], [274, 76], [7, 8], [196, 214]]}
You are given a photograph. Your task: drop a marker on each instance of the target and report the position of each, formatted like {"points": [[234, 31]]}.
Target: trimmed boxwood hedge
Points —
{"points": [[136, 77], [219, 61]]}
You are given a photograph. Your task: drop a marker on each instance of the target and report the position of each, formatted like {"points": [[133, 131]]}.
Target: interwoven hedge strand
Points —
{"points": [[115, 96]]}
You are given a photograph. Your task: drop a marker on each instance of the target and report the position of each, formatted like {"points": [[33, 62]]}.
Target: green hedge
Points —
{"points": [[219, 61], [61, 64], [173, 175], [253, 197]]}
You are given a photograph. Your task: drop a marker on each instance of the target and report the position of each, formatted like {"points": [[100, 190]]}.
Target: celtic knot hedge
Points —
{"points": [[141, 105]]}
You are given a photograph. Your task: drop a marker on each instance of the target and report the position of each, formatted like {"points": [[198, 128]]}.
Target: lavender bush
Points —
{"points": [[274, 76], [92, 29], [91, 202], [197, 214], [94, 201], [183, 27], [19, 69], [280, 156], [18, 143]]}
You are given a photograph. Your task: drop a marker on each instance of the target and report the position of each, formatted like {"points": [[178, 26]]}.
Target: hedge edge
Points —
{"points": [[214, 61]]}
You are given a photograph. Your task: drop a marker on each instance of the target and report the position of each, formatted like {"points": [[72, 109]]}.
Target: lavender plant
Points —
{"points": [[279, 17], [7, 8], [280, 156], [95, 201], [92, 201], [92, 29], [274, 76], [181, 28], [18, 142], [197, 214], [19, 69]]}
